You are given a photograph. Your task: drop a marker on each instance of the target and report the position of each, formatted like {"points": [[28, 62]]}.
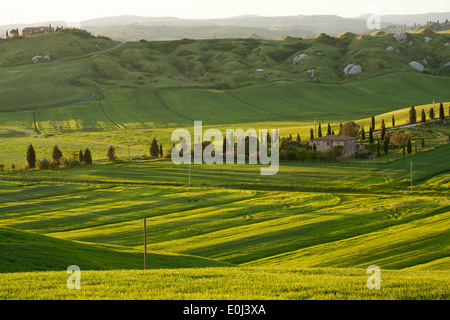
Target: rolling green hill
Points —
{"points": [[58, 46], [313, 218]]}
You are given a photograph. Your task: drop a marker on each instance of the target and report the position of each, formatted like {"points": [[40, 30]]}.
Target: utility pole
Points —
{"points": [[411, 175], [129, 157], [434, 113], [315, 130], [145, 244]]}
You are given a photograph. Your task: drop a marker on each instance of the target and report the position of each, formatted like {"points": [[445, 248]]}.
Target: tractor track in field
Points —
{"points": [[169, 108], [257, 107]]}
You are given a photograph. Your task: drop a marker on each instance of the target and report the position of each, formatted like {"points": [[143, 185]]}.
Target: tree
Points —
{"points": [[31, 157], [378, 148], [290, 136], [111, 154], [373, 122], [56, 154], [87, 156], [371, 136], [154, 150], [431, 114], [340, 128], [383, 130], [441, 111], [81, 156], [423, 143], [400, 139], [363, 134], [298, 137], [412, 115], [350, 129], [311, 134], [386, 146], [423, 116], [409, 146], [320, 131], [314, 147], [161, 150], [329, 129], [393, 121]]}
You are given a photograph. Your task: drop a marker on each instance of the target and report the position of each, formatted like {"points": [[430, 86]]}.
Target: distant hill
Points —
{"points": [[128, 27]]}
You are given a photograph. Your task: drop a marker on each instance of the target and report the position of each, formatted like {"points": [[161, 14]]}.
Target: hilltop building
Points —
{"points": [[32, 30], [329, 142]]}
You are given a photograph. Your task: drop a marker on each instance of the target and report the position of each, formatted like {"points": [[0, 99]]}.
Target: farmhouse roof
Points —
{"points": [[338, 137]]}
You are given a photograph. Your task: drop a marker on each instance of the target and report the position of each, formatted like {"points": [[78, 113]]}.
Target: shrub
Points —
{"points": [[44, 164], [69, 162]]}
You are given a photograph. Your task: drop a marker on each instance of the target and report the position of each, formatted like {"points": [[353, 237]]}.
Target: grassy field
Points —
{"points": [[309, 232], [228, 283]]}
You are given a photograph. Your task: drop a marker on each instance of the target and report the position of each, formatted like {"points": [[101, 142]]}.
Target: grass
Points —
{"points": [[228, 284], [308, 232]]}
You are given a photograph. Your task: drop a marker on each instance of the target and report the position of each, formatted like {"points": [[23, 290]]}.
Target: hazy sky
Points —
{"points": [[37, 11]]}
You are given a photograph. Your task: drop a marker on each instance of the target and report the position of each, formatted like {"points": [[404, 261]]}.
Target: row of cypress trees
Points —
{"points": [[57, 156]]}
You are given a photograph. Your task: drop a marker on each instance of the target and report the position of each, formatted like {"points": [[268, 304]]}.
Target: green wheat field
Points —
{"points": [[308, 232]]}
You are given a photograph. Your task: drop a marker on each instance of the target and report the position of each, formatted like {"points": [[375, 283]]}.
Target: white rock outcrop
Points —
{"points": [[390, 48], [401, 37], [299, 57], [417, 65], [427, 39], [446, 44], [36, 58], [352, 69], [447, 64], [311, 72], [260, 70], [397, 51]]}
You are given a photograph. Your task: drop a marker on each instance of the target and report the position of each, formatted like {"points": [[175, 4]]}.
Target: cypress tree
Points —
{"points": [[87, 157], [290, 137], [320, 131], [81, 156], [373, 122], [383, 130], [298, 137], [332, 132], [409, 146], [154, 150], [386, 146], [378, 148], [340, 128], [31, 157], [311, 134], [412, 115], [371, 135], [224, 145], [441, 111], [363, 134], [393, 121], [314, 147], [431, 114], [329, 129], [56, 154], [111, 154], [160, 150], [423, 143], [423, 116]]}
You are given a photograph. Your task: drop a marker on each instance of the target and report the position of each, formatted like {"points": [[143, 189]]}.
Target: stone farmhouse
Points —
{"points": [[329, 142], [32, 30]]}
